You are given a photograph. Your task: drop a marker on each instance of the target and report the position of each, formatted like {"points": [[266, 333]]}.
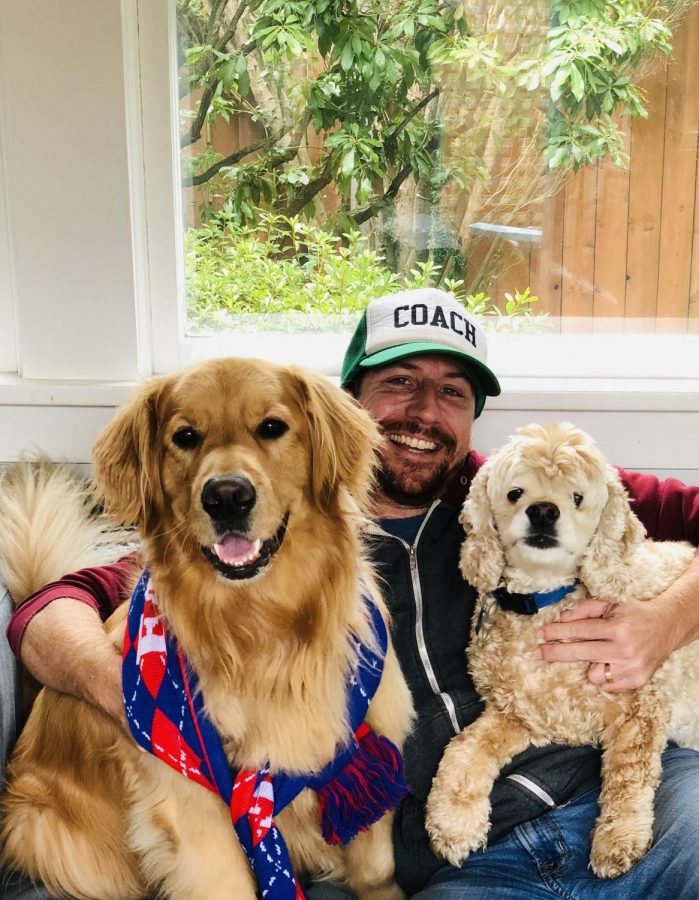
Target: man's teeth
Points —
{"points": [[229, 560], [412, 442]]}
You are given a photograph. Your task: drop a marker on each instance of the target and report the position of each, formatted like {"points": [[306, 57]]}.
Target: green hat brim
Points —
{"points": [[487, 383]]}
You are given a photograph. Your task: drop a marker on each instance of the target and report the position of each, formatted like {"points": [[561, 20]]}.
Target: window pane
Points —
{"points": [[539, 159]]}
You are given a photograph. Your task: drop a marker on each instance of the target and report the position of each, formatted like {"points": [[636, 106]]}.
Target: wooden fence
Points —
{"points": [[625, 243]]}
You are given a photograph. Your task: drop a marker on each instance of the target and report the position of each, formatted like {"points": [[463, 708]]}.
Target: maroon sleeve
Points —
{"points": [[668, 509], [103, 588]]}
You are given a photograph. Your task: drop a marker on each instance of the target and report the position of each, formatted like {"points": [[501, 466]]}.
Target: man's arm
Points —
{"points": [[66, 648], [636, 638], [58, 634]]}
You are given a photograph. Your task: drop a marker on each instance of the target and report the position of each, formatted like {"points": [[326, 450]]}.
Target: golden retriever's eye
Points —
{"points": [[577, 499], [186, 438], [514, 495], [270, 429]]}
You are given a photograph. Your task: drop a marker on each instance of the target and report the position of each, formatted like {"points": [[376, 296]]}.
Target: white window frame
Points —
{"points": [[665, 361]]}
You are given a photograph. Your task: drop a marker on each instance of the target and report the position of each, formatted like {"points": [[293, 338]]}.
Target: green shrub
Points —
{"points": [[288, 275]]}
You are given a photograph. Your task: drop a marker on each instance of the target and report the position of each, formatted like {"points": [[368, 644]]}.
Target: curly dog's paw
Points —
{"points": [[618, 845], [457, 824]]}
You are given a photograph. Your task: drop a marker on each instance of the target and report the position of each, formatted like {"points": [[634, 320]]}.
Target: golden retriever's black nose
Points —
{"points": [[228, 497], [543, 514]]}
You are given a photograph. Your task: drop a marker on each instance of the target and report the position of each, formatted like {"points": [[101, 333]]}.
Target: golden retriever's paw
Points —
{"points": [[456, 825], [618, 846]]}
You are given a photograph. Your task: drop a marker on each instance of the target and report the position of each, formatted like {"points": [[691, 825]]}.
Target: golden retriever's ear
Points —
{"points": [[482, 556], [344, 441], [126, 459], [604, 569]]}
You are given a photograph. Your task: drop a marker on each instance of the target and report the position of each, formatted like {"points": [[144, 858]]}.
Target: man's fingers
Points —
{"points": [[575, 651], [587, 609], [620, 680], [579, 630]]}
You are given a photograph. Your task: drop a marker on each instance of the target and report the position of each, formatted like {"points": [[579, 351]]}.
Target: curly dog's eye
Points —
{"points": [[270, 429], [577, 499], [514, 495], [186, 438]]}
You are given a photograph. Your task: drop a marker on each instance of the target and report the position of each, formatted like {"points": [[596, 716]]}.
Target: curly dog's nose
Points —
{"points": [[228, 497], [543, 513]]}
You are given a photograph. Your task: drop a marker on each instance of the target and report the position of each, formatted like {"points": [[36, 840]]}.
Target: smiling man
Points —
{"points": [[418, 363]]}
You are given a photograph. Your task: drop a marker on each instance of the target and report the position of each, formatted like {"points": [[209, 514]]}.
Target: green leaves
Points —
{"points": [[361, 91], [594, 47], [284, 274]]}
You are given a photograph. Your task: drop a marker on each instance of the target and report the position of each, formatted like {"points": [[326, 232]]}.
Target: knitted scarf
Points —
{"points": [[166, 715]]}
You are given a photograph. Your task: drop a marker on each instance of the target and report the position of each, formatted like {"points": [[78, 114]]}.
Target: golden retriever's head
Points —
{"points": [[544, 509], [222, 461]]}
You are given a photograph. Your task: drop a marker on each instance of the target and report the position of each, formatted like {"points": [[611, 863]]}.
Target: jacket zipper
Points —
{"points": [[419, 625], [533, 788]]}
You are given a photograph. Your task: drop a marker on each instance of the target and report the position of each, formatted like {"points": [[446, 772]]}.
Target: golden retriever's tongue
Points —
{"points": [[234, 550]]}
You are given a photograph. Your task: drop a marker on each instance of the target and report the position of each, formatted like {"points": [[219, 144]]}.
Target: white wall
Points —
{"points": [[67, 195], [88, 274]]}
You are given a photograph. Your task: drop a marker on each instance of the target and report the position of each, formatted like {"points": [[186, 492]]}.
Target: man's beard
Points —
{"points": [[416, 485]]}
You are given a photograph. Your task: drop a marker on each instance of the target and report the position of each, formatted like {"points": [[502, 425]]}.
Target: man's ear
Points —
{"points": [[126, 459], [344, 441], [482, 556], [604, 569]]}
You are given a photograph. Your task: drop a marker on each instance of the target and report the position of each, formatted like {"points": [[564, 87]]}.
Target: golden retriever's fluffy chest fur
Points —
{"points": [[258, 732], [507, 671]]}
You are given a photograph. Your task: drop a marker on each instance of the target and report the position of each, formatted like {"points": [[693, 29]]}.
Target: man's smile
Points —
{"points": [[413, 443]]}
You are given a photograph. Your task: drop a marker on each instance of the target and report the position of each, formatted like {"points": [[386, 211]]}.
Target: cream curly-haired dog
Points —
{"points": [[547, 516]]}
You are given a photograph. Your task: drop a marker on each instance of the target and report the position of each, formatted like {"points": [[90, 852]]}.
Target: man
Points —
{"points": [[418, 363]]}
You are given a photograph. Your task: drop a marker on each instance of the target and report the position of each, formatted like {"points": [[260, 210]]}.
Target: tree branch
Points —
{"points": [[391, 138], [231, 160], [192, 136], [382, 201], [378, 203], [311, 189]]}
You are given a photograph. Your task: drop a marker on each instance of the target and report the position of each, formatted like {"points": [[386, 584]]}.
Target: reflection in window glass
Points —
{"points": [[539, 159]]}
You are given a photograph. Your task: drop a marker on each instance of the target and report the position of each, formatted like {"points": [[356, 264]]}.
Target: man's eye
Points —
{"points": [[577, 499], [270, 429], [514, 495], [186, 438]]}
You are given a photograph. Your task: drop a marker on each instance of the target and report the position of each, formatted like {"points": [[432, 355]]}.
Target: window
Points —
{"points": [[426, 136]]}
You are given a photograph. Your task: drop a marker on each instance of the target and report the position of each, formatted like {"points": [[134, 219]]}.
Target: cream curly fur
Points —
{"points": [[599, 541]]}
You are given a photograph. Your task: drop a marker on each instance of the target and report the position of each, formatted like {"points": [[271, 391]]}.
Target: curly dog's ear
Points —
{"points": [[604, 568], [344, 441], [126, 461], [482, 556]]}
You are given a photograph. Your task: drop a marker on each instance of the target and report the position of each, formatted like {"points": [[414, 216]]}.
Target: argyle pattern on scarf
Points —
{"points": [[165, 711]]}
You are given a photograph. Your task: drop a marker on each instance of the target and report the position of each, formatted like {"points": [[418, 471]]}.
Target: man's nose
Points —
{"points": [[424, 402]]}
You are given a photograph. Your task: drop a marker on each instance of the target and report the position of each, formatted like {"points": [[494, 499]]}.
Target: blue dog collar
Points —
{"points": [[530, 604]]}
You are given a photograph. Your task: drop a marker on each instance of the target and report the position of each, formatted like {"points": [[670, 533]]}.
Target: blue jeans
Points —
{"points": [[549, 856]]}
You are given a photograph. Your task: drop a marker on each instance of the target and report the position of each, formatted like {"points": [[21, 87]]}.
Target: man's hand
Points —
{"points": [[65, 647], [634, 638]]}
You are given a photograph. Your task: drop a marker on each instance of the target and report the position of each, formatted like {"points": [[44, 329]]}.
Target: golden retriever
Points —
{"points": [[248, 483], [544, 511]]}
